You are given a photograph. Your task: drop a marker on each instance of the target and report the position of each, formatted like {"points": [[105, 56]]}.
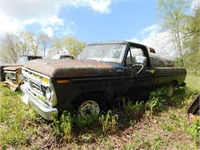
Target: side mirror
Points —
{"points": [[140, 59]]}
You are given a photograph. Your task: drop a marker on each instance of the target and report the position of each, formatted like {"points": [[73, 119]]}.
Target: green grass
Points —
{"points": [[192, 62], [162, 124], [15, 119], [193, 81]]}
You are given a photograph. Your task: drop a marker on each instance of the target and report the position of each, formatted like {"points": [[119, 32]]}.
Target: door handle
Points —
{"points": [[152, 71]]}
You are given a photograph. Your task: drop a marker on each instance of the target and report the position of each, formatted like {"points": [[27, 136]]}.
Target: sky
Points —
{"points": [[87, 20]]}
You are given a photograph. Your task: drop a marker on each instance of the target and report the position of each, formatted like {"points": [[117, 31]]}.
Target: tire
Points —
{"points": [[90, 105]]}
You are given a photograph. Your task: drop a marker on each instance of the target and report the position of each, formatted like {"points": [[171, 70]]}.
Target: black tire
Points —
{"points": [[90, 105]]}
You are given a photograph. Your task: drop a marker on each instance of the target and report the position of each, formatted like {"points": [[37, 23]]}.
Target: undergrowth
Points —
{"points": [[16, 120], [155, 124]]}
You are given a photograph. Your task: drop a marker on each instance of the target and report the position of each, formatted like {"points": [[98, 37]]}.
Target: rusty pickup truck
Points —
{"points": [[101, 75], [10, 74]]}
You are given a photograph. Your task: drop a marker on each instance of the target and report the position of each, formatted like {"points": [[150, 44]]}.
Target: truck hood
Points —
{"points": [[72, 68], [13, 67]]}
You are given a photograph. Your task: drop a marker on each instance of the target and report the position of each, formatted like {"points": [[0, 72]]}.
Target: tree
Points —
{"points": [[73, 46], [28, 43], [172, 13], [56, 47], [10, 48], [192, 34], [67, 45], [44, 42]]}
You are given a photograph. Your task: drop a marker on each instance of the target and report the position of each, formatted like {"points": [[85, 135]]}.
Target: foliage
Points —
{"points": [[192, 62], [157, 101], [155, 104], [10, 49], [133, 110], [15, 119], [23, 129], [192, 31], [85, 122], [44, 42], [172, 13], [73, 46], [108, 122], [194, 131], [63, 126], [28, 43]]}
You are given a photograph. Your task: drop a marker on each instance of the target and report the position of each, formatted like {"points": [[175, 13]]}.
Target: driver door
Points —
{"points": [[140, 79]]}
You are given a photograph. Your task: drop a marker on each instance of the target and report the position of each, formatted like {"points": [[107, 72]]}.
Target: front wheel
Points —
{"points": [[88, 108], [91, 106]]}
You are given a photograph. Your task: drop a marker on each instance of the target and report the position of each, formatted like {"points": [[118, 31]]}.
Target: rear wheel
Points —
{"points": [[90, 105]]}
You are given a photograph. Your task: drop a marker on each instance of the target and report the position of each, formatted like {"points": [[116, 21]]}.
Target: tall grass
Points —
{"points": [[15, 119], [21, 127], [193, 81]]}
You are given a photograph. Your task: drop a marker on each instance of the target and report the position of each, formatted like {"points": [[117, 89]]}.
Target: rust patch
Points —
{"points": [[71, 68]]}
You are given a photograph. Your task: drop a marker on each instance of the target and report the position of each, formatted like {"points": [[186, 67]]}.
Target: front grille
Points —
{"points": [[36, 87], [10, 76], [25, 79], [34, 83]]}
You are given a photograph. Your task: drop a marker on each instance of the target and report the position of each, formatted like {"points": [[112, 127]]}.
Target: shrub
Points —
{"points": [[108, 122], [133, 110], [85, 122], [63, 126], [194, 131], [155, 105]]}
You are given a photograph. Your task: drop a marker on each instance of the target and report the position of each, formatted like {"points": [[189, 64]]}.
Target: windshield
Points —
{"points": [[104, 52]]}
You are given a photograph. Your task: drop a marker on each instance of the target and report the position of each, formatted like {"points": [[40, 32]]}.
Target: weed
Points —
{"points": [[16, 128], [157, 101], [193, 81], [108, 122], [167, 127], [157, 143], [63, 126], [85, 122], [138, 142], [87, 137], [161, 92], [21, 128], [155, 105], [133, 110], [194, 131]]}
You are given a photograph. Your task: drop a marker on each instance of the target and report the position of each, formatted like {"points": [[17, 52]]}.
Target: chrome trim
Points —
{"points": [[46, 111], [34, 85]]}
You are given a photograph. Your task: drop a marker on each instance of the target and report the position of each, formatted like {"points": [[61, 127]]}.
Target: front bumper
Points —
{"points": [[47, 112]]}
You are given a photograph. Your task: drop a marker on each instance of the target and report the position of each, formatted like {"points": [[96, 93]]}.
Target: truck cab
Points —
{"points": [[11, 73]]}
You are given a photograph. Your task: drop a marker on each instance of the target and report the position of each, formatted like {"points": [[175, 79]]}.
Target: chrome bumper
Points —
{"points": [[45, 111]]}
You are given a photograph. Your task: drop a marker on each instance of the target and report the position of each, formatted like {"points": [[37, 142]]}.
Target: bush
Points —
{"points": [[133, 110], [63, 127], [108, 122]]}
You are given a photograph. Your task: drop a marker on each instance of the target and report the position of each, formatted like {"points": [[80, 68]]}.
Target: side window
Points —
{"points": [[133, 52]]}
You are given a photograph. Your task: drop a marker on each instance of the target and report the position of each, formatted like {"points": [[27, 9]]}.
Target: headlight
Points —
{"points": [[48, 93]]}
